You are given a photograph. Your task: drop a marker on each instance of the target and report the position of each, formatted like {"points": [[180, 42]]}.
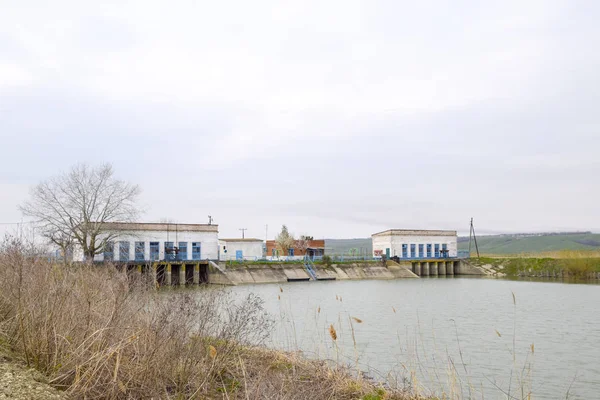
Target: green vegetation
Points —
{"points": [[529, 244], [579, 265]]}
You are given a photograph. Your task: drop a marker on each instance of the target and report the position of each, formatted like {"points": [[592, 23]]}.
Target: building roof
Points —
{"points": [[154, 226], [415, 232], [241, 240]]}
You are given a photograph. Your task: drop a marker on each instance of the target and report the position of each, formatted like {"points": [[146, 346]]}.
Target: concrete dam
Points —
{"points": [[210, 272]]}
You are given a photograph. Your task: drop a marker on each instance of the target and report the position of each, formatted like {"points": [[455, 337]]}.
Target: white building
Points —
{"points": [[407, 243], [241, 249], [159, 242]]}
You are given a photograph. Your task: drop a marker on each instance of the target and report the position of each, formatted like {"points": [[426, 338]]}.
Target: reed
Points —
{"points": [[97, 333]]}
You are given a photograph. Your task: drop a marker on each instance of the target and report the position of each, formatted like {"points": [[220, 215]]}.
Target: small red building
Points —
{"points": [[312, 248]]}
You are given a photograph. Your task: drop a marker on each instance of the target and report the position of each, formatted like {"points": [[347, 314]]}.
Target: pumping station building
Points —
{"points": [[171, 254], [415, 244], [148, 242], [241, 249]]}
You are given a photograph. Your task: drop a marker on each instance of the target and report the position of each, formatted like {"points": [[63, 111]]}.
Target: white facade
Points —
{"points": [[200, 242], [247, 249], [406, 243]]}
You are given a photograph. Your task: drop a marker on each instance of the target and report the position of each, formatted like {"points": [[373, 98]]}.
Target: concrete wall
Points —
{"points": [[395, 241], [276, 273], [251, 250], [209, 248]]}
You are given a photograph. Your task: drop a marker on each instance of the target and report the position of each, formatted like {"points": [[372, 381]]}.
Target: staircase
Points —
{"points": [[309, 267]]}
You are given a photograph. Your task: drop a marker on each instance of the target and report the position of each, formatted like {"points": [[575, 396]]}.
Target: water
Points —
{"points": [[449, 328]]}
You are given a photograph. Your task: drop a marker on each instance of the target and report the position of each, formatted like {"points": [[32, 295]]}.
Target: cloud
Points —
{"points": [[342, 118]]}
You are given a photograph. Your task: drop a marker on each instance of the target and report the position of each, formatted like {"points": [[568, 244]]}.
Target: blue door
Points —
{"points": [[239, 255], [387, 252]]}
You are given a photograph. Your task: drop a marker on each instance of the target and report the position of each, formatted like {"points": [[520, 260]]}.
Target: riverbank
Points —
{"points": [[95, 332], [19, 382], [540, 267]]}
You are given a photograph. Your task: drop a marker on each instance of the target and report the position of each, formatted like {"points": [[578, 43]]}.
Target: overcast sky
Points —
{"points": [[337, 118]]}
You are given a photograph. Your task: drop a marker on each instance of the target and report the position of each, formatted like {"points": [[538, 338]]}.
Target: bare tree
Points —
{"points": [[285, 240], [77, 208], [303, 243]]}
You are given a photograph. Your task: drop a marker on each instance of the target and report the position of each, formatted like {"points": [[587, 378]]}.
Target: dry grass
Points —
{"points": [[557, 254], [96, 333]]}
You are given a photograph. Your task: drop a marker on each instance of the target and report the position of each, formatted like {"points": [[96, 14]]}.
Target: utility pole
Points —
{"points": [[209, 220], [243, 231], [474, 237]]}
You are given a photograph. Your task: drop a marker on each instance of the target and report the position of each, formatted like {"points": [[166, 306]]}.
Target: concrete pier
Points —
{"points": [[425, 269], [450, 268], [168, 274], [433, 268], [418, 269], [442, 268], [196, 274], [182, 274]]}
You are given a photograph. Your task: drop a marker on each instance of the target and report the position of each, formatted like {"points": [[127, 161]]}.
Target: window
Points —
{"points": [[196, 249], [291, 252], [437, 251], [108, 251], [444, 250], [139, 251], [154, 251], [123, 251], [413, 252], [421, 254], [428, 250], [404, 251], [169, 251], [182, 255]]}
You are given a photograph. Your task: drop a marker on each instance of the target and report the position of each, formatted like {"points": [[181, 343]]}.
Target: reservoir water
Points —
{"points": [[457, 335]]}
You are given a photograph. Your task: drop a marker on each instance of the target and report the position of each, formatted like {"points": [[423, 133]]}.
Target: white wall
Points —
{"points": [[209, 248], [250, 250], [395, 242]]}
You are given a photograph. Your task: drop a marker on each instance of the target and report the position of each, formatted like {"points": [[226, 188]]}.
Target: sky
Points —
{"points": [[337, 118]]}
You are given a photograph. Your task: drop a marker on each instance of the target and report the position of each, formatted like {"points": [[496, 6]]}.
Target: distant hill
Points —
{"points": [[533, 243], [343, 246], [495, 244]]}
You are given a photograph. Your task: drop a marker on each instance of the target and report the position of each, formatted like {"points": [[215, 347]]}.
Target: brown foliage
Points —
{"points": [[99, 333]]}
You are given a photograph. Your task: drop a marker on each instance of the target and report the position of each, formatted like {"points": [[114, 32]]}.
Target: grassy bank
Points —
{"points": [[568, 263], [95, 333]]}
